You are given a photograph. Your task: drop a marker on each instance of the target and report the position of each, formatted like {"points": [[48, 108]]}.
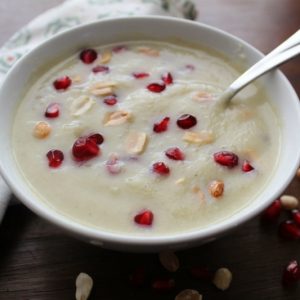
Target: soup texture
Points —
{"points": [[129, 138]]}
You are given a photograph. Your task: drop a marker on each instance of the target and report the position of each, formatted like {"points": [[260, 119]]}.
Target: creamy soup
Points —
{"points": [[128, 138]]}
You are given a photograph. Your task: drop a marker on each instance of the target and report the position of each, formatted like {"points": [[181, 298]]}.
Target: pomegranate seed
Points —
{"points": [[113, 165], [291, 273], [296, 216], [272, 213], [161, 168], [110, 100], [247, 167], [137, 277], [167, 78], [226, 158], [156, 87], [97, 138], [52, 110], [163, 285], [140, 75], [289, 230], [85, 148], [88, 56], [190, 67], [201, 273], [120, 48], [100, 69], [62, 83], [162, 125], [186, 121], [144, 218], [175, 153], [55, 158]]}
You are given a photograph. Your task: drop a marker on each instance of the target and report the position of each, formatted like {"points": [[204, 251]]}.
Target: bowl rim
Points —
{"points": [[101, 235]]}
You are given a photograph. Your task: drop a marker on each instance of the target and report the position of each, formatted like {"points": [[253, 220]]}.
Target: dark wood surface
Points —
{"points": [[37, 259]]}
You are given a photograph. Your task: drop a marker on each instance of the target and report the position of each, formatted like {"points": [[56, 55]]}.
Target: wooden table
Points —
{"points": [[38, 261]]}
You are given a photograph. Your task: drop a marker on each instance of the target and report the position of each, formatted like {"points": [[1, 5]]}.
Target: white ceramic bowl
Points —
{"points": [[118, 30]]}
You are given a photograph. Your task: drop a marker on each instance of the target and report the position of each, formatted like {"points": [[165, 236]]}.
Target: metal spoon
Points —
{"points": [[284, 52]]}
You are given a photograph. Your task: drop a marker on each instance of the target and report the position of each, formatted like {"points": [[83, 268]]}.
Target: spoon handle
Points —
{"points": [[284, 52]]}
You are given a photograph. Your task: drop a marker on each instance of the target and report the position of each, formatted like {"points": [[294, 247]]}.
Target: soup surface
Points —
{"points": [[128, 138]]}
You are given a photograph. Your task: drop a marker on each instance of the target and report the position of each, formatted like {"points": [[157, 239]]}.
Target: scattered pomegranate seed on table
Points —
{"points": [[55, 158], [296, 216], [272, 213], [200, 272], [62, 83], [162, 125], [88, 56], [291, 273], [163, 285], [100, 69], [175, 153], [156, 87], [85, 148], [186, 121], [144, 218], [110, 100], [52, 111], [138, 277], [289, 230], [247, 167], [161, 168], [140, 75], [226, 158], [167, 78]]}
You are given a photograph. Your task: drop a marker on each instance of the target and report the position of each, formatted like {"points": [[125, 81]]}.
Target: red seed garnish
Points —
{"points": [[88, 56], [272, 213], [52, 111], [156, 87], [55, 158], [62, 83], [120, 48], [113, 165], [161, 168], [175, 154], [296, 216], [167, 78], [137, 277], [226, 158], [186, 121], [190, 67], [247, 167], [162, 125], [163, 285], [140, 75], [202, 273], [85, 148], [97, 138], [289, 230], [100, 69], [110, 100], [144, 218], [291, 273]]}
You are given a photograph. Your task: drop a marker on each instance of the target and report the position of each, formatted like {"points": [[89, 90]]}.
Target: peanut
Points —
{"points": [[216, 188], [289, 202], [84, 285], [188, 295], [136, 142], [41, 130], [222, 279], [169, 261]]}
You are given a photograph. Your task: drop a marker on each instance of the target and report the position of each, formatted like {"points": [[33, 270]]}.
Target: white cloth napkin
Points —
{"points": [[73, 13]]}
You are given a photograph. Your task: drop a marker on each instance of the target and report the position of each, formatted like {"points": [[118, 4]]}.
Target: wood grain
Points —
{"points": [[37, 259]]}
